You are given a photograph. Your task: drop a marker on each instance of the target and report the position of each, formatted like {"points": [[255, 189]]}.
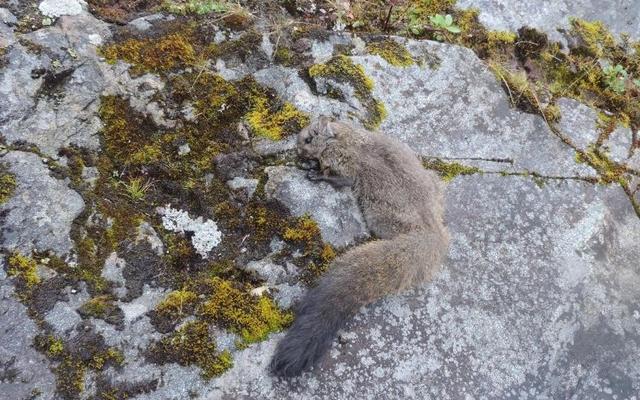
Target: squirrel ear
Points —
{"points": [[324, 124]]}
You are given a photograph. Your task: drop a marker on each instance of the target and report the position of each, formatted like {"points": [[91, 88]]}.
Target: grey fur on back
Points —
{"points": [[402, 204]]}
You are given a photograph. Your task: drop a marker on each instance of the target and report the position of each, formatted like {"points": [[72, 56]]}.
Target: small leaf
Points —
{"points": [[637, 82], [448, 19], [454, 29]]}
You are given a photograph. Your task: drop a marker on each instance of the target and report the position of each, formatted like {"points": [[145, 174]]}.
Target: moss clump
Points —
{"points": [[98, 307], [70, 375], [111, 355], [392, 52], [342, 70], [305, 230], [608, 170], [177, 303], [521, 92], [284, 56], [594, 36], [55, 348], [7, 184], [25, 269], [447, 170], [191, 345], [275, 125], [198, 7], [125, 134], [162, 54], [250, 317], [52, 346]]}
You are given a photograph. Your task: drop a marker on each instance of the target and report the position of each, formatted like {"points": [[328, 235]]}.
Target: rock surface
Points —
{"points": [[621, 16], [336, 212], [39, 215], [538, 297], [22, 368]]}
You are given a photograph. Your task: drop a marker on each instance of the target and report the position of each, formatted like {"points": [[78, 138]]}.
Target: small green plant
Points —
{"points": [[198, 7], [615, 77], [637, 82], [444, 22], [136, 188]]}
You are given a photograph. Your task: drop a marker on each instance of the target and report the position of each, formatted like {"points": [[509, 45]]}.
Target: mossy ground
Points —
{"points": [[342, 70], [140, 168], [7, 184]]}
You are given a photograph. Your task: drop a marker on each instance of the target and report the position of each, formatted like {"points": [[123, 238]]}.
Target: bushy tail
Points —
{"points": [[358, 277]]}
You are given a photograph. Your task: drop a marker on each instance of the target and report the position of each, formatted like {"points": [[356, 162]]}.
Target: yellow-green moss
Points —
{"points": [[177, 302], [277, 124], [7, 184], [70, 375], [55, 347], [392, 52], [608, 170], [24, 268], [161, 54], [341, 69], [595, 36], [191, 344], [449, 170], [496, 38], [520, 90], [198, 7], [98, 306], [239, 311], [306, 229], [111, 355]]}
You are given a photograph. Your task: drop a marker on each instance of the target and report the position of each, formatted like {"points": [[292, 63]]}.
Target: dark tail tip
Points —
{"points": [[308, 339]]}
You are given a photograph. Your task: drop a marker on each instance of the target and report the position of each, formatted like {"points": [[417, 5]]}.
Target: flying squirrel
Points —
{"points": [[402, 204]]}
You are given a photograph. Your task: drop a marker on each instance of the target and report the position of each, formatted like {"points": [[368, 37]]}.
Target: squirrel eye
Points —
{"points": [[307, 140]]}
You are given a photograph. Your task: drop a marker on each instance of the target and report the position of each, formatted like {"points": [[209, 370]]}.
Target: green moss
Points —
{"points": [[198, 7], [284, 56], [55, 348], [305, 230], [595, 37], [109, 356], [191, 344], [70, 376], [177, 303], [392, 52], [7, 184], [162, 54], [275, 125], [448, 171], [342, 70], [250, 317], [98, 307], [501, 37], [608, 170], [521, 92], [25, 269]]}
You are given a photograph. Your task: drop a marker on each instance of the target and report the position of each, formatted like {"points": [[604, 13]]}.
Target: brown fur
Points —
{"points": [[403, 208]]}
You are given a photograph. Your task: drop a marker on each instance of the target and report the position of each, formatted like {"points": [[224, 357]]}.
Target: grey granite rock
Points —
{"points": [[39, 214], [63, 318], [335, 211], [538, 299], [621, 16], [22, 369], [57, 106]]}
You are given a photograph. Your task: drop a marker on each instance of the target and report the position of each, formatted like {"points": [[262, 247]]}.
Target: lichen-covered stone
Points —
{"points": [[335, 211], [39, 214]]}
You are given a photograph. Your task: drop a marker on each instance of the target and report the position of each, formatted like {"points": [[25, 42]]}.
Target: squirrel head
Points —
{"points": [[313, 139]]}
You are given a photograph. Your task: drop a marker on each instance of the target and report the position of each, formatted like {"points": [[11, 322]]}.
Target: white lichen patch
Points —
{"points": [[206, 235], [57, 8]]}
